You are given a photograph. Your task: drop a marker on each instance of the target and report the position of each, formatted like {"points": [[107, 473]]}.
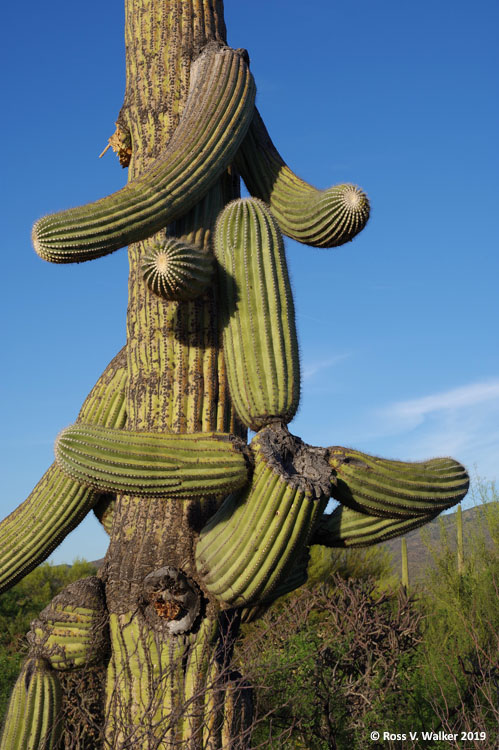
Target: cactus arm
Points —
{"points": [[217, 115], [249, 546], [58, 504], [33, 720], [259, 334], [349, 528], [149, 464], [72, 631], [321, 218], [395, 489]]}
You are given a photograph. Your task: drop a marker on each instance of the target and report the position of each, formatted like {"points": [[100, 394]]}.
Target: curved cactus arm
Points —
{"points": [[249, 546], [72, 631], [216, 117], [58, 504], [259, 334], [395, 489], [349, 528], [33, 720], [150, 464], [321, 218]]}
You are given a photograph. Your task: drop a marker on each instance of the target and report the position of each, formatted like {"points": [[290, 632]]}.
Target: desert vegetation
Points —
{"points": [[352, 651]]}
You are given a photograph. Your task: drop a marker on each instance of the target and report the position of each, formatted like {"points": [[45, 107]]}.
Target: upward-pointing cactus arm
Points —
{"points": [[321, 218], [58, 503], [217, 115]]}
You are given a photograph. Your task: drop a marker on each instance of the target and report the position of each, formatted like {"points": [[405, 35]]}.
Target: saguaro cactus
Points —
{"points": [[204, 529]]}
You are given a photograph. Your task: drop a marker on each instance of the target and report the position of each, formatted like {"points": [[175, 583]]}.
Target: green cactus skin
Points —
{"points": [[104, 511], [259, 335], [321, 218], [177, 271], [72, 630], [151, 464], [349, 528], [58, 504], [33, 720], [216, 117], [249, 546], [395, 489]]}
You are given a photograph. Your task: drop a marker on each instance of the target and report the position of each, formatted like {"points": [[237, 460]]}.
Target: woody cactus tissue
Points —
{"points": [[204, 528]]}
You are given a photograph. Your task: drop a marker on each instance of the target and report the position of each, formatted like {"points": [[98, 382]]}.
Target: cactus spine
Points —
{"points": [[350, 528], [150, 464], [216, 117], [177, 271], [395, 489], [259, 334], [249, 546], [58, 504], [321, 218], [33, 720], [72, 630]]}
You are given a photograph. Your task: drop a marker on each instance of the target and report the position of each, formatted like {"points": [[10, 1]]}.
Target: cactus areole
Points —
{"points": [[204, 528]]}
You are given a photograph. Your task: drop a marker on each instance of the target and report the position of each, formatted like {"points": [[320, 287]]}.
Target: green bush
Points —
{"points": [[19, 606]]}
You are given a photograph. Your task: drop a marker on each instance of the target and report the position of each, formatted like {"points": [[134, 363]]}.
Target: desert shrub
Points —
{"points": [[19, 606], [328, 664]]}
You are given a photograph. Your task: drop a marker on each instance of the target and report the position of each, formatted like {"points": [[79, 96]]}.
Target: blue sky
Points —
{"points": [[398, 329]]}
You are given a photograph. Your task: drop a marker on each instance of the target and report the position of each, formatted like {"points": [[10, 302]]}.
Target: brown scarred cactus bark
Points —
{"points": [[204, 529]]}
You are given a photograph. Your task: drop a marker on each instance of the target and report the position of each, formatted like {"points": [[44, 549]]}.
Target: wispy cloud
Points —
{"points": [[413, 412], [313, 368], [462, 422]]}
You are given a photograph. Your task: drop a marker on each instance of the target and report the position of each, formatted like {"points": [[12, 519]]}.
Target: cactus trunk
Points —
{"points": [[160, 685]]}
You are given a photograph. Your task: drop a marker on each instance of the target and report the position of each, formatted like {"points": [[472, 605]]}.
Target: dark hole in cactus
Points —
{"points": [[171, 601]]}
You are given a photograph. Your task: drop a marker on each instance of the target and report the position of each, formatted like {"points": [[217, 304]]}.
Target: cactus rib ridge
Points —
{"points": [[216, 117], [350, 528], [33, 718], [246, 551], [153, 464], [71, 635], [58, 503], [259, 333], [176, 270], [395, 489], [321, 218]]}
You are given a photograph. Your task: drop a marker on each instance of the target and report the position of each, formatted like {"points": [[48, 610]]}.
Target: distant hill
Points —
{"points": [[421, 541]]}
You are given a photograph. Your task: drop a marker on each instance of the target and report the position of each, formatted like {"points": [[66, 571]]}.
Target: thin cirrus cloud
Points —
{"points": [[314, 368], [461, 422], [409, 414]]}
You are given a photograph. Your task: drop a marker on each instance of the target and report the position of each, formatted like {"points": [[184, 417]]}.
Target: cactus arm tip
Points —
{"points": [[321, 218]]}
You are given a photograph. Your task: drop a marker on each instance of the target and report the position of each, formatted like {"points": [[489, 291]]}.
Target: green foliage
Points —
{"points": [[20, 605], [330, 662], [460, 652], [359, 563]]}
